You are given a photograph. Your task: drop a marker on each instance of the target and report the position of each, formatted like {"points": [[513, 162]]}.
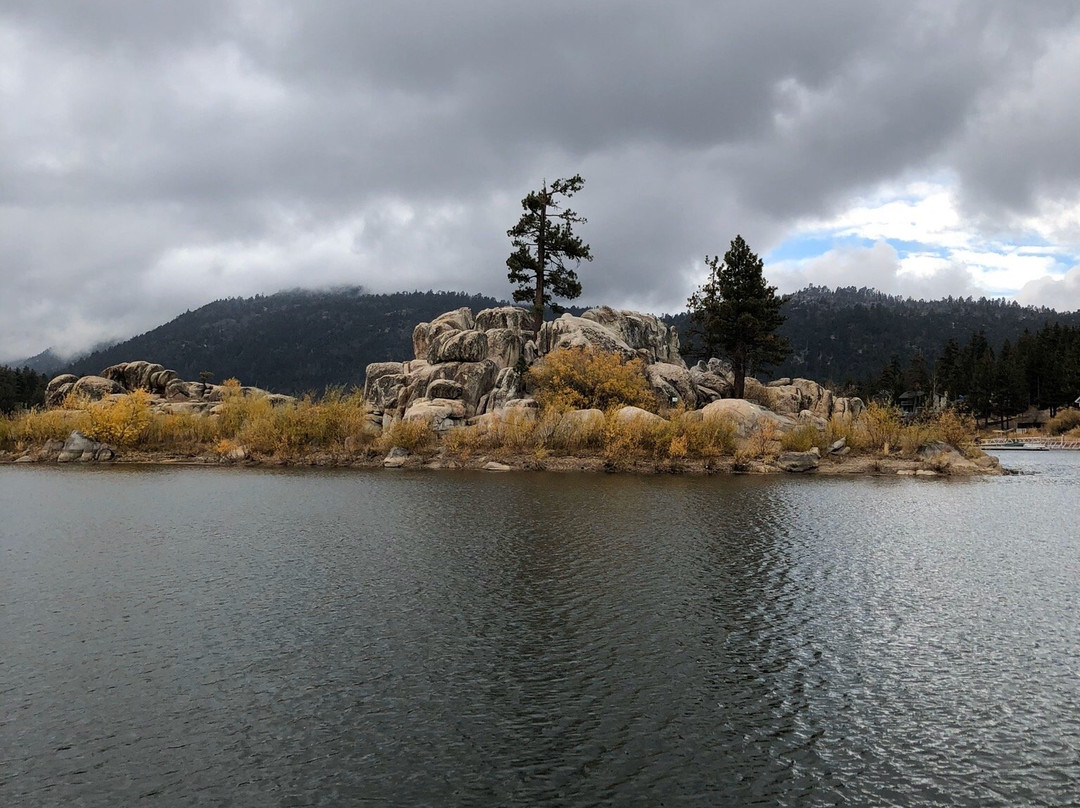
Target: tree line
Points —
{"points": [[1039, 369], [21, 388]]}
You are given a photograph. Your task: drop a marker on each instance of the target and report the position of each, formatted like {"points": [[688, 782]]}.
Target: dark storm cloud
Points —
{"points": [[156, 155]]}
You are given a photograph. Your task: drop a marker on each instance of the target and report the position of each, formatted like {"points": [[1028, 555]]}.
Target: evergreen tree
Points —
{"points": [[543, 242], [737, 313]]}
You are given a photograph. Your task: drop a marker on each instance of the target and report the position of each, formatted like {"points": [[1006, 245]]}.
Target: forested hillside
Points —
{"points": [[289, 342], [848, 334], [294, 342]]}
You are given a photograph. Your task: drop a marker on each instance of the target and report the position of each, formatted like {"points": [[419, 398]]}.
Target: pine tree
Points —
{"points": [[543, 242], [737, 313]]}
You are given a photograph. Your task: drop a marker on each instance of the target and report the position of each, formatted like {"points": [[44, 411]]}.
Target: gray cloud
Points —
{"points": [[155, 155]]}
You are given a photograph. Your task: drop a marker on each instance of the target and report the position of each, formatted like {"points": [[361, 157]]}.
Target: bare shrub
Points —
{"points": [[762, 440]]}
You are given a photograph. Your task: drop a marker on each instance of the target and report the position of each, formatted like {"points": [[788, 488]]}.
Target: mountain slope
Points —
{"points": [[294, 342], [289, 342]]}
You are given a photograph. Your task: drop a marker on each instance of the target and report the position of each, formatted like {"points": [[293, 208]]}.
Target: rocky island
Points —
{"points": [[484, 390]]}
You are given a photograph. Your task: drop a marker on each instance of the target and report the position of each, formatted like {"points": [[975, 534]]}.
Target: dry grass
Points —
{"points": [[415, 436], [1065, 421], [621, 444], [877, 429], [803, 438], [336, 423]]}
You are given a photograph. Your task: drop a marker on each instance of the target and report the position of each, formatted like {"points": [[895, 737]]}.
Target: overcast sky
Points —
{"points": [[157, 155]]}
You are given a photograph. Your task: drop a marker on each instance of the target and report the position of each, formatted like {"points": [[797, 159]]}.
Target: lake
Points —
{"points": [[204, 636]]}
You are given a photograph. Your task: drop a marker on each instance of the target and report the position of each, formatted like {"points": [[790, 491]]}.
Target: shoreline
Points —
{"points": [[848, 466]]}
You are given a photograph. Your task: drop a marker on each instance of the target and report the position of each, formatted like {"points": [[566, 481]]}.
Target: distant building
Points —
{"points": [[912, 402]]}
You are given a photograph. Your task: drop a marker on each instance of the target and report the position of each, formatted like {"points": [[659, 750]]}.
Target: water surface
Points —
{"points": [[223, 637]]}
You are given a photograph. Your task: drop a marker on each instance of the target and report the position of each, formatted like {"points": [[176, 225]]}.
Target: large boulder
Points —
{"points": [[797, 461], [57, 389], [425, 333], [476, 380], [641, 332], [511, 317], [78, 447], [847, 409], [577, 332], [507, 388], [441, 413], [95, 388], [504, 346], [673, 383], [637, 416], [383, 383], [746, 415], [140, 375], [458, 346]]}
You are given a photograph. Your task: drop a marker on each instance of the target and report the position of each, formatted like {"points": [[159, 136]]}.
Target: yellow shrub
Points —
{"points": [[585, 378], [33, 428], [627, 441], [914, 436], [678, 447], [955, 429], [120, 421], [877, 426], [840, 428], [702, 438], [182, 432]]}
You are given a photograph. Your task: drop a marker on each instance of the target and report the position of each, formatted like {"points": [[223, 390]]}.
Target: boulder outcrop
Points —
{"points": [[168, 393], [477, 360], [746, 415], [78, 447]]}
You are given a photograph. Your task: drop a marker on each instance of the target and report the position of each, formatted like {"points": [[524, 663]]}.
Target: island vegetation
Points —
{"points": [[582, 396]]}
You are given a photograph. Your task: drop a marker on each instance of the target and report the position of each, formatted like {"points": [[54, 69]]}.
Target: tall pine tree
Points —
{"points": [[544, 242], [737, 313]]}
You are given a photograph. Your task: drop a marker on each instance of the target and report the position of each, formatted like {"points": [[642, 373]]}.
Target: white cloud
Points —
{"points": [[1060, 293], [878, 267]]}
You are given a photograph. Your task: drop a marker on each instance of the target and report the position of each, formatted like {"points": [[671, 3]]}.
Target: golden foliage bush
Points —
{"points": [[187, 433], [706, 439], [876, 427], [587, 378], [636, 439], [914, 436], [121, 421], [955, 428], [1063, 422]]}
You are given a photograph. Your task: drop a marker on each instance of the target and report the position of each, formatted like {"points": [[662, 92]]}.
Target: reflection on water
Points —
{"points": [[200, 636]]}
